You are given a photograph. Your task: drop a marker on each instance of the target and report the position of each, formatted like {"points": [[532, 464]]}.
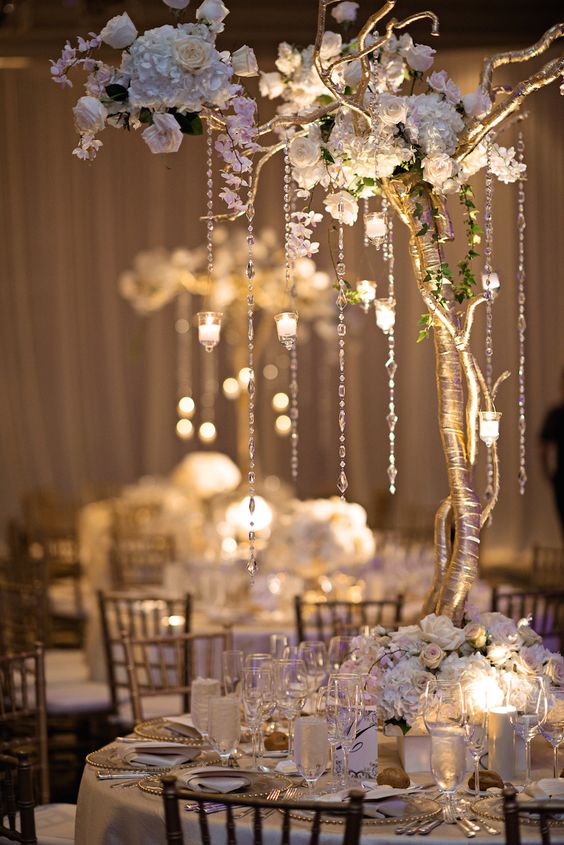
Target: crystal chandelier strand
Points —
{"points": [[251, 388], [521, 319], [291, 287], [391, 365], [209, 221], [366, 208], [342, 481], [488, 252]]}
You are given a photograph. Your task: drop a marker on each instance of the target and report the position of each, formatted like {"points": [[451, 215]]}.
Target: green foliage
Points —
{"points": [[464, 289], [326, 155], [190, 123], [146, 116], [116, 93], [326, 124], [424, 327]]}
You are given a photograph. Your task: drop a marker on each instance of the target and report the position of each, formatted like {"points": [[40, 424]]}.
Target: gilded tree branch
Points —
{"points": [[524, 55]]}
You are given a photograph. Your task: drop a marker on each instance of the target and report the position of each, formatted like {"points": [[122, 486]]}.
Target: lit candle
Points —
{"points": [[385, 314], [287, 328], [501, 741], [489, 426], [375, 226], [209, 328], [209, 333]]}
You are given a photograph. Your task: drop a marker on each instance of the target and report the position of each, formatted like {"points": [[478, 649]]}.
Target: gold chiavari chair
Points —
{"points": [[17, 816], [137, 615], [138, 560], [166, 666], [325, 619], [544, 607], [543, 812], [24, 612], [23, 719]]}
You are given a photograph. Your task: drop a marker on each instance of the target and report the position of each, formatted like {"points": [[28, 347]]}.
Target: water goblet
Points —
{"points": [[232, 663], [310, 743], [314, 655], [257, 696], [340, 649], [448, 762], [224, 725], [255, 661], [291, 689], [552, 728], [528, 695], [443, 704], [278, 642], [344, 707]]}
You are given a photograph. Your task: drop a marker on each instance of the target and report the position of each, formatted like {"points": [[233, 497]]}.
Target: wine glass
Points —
{"points": [[290, 653], [291, 689], [475, 732], [278, 642], [257, 697], [344, 707], [448, 762], [255, 661], [443, 705], [232, 663], [224, 725], [553, 727], [310, 744], [314, 655], [528, 695], [340, 649]]}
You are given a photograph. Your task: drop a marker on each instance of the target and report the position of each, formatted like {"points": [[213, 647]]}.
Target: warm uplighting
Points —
{"points": [[229, 545], [283, 425], [385, 314], [238, 515], [207, 432], [375, 227], [489, 426], [280, 401], [484, 692], [231, 388], [244, 377], [172, 621], [186, 406], [184, 429], [367, 292], [287, 328], [209, 328]]}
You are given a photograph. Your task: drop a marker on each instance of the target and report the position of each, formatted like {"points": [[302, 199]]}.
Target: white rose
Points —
{"points": [[477, 103], [271, 85], [531, 659], [192, 53], [391, 110], [176, 4], [89, 115], [352, 73], [345, 12], [244, 62], [419, 57], [437, 169], [499, 654], [119, 32], [342, 205], [330, 45], [212, 10], [554, 669], [440, 82], [164, 136], [440, 630], [475, 634], [431, 655], [304, 152]]}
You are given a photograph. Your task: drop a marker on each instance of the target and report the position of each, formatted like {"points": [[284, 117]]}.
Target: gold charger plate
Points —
{"points": [[419, 809], [112, 757], [260, 786], [491, 808], [157, 729]]}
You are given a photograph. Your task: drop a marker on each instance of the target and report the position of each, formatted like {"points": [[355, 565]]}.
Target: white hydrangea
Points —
{"points": [[433, 124], [504, 165]]}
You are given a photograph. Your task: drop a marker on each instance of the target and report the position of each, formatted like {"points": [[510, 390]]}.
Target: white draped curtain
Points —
{"points": [[87, 388]]}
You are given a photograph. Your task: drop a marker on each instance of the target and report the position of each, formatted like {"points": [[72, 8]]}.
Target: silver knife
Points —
{"points": [[427, 828]]}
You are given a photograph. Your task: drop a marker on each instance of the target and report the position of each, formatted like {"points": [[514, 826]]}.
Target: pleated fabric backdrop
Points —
{"points": [[87, 388]]}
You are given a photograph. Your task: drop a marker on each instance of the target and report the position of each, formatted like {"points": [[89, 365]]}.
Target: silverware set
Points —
{"points": [[273, 795]]}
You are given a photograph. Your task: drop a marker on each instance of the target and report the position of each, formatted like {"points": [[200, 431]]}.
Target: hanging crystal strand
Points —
{"points": [[366, 205], [291, 288], [488, 250], [209, 175], [391, 365], [251, 388], [342, 482], [521, 323]]}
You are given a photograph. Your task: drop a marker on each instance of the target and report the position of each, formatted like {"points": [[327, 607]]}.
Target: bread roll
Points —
{"points": [[276, 741], [487, 779], [395, 777]]}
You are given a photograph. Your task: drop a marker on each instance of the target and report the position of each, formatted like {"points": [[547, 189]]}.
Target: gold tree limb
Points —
{"points": [[472, 405], [523, 55], [442, 552]]}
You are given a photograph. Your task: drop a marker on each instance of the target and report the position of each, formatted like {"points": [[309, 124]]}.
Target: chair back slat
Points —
{"points": [[257, 826], [138, 560], [231, 835], [325, 619], [16, 799], [545, 607], [512, 809], [315, 828]]}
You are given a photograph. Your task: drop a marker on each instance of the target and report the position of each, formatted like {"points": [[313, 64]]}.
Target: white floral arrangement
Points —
{"points": [[314, 531], [206, 474], [166, 78], [397, 665]]}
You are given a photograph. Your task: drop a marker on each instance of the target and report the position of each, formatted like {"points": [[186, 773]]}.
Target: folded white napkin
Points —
{"points": [[160, 755], [374, 791], [542, 789], [214, 779], [182, 725]]}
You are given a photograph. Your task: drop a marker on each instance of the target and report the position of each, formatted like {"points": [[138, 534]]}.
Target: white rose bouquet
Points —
{"points": [[397, 665]]}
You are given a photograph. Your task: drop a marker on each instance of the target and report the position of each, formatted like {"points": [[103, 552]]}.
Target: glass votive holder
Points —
{"points": [[491, 283], [367, 292], [287, 328], [375, 227], [489, 426], [209, 328], [385, 314]]}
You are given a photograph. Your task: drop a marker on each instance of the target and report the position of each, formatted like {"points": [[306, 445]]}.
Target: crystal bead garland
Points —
{"points": [[342, 482], [366, 204], [251, 387], [488, 293], [209, 175], [291, 287], [521, 323], [391, 365]]}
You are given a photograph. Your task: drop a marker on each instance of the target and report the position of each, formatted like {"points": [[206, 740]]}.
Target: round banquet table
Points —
{"points": [[128, 816]]}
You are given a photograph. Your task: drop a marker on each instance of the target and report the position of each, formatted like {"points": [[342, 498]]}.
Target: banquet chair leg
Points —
{"points": [[172, 812]]}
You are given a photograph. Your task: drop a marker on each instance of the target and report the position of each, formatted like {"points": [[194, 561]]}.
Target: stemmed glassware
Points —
{"points": [[475, 731], [224, 725], [278, 642], [255, 661], [311, 741], [232, 663], [553, 727], [257, 699], [290, 692], [314, 655], [340, 649], [528, 695], [444, 716], [344, 710]]}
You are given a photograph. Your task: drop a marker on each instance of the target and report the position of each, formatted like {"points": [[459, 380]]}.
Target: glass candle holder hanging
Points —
{"points": [[489, 427], [287, 328], [375, 228], [491, 283], [209, 328], [385, 314], [367, 292]]}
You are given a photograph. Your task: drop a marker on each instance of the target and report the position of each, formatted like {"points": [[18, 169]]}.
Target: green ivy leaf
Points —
{"points": [[117, 93], [190, 123], [146, 116], [327, 155], [423, 230]]}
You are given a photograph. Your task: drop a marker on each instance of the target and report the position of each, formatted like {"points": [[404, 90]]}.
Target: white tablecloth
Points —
{"points": [[107, 816]]}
